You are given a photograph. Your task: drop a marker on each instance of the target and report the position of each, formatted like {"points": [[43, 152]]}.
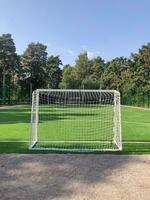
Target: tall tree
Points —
{"points": [[69, 80], [97, 67], [91, 82], [34, 67], [117, 74], [8, 60], [82, 67], [141, 71], [53, 71], [96, 70]]}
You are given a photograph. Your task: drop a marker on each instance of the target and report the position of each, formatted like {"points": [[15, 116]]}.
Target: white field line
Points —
{"points": [[144, 123], [6, 122], [58, 141], [72, 120], [134, 142], [12, 106], [140, 108], [26, 141], [14, 141]]}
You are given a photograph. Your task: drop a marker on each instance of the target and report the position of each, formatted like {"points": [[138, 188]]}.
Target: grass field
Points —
{"points": [[15, 121], [75, 126]]}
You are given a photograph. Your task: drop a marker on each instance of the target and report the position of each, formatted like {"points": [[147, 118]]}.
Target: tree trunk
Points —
{"points": [[30, 92], [143, 99], [9, 90], [148, 97], [4, 85]]}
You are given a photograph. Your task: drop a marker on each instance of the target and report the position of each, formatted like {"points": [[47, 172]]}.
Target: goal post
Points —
{"points": [[75, 120]]}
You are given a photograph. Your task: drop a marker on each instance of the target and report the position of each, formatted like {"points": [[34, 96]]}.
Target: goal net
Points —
{"points": [[75, 120]]}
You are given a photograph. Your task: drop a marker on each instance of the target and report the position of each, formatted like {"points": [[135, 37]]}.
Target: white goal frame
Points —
{"points": [[117, 133]]}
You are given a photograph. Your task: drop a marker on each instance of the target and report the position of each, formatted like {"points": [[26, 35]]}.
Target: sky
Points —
{"points": [[108, 28]]}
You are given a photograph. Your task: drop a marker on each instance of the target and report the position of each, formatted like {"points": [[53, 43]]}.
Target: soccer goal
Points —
{"points": [[75, 120]]}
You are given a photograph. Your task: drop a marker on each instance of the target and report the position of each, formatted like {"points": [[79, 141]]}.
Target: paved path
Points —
{"points": [[74, 177]]}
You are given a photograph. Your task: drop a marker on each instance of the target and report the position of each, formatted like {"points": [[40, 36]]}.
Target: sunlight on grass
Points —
{"points": [[14, 126]]}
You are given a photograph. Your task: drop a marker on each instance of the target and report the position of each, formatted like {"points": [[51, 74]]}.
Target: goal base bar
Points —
{"points": [[71, 150], [37, 146]]}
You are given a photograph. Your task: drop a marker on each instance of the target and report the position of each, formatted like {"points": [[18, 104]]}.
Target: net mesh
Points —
{"points": [[75, 120]]}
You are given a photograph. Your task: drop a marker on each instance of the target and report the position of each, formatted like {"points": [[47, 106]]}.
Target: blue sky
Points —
{"points": [[108, 28]]}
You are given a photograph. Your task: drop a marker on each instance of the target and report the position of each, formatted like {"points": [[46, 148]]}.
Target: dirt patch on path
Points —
{"points": [[74, 177]]}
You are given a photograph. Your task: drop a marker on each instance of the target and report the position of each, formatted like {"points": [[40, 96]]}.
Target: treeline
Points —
{"points": [[21, 74]]}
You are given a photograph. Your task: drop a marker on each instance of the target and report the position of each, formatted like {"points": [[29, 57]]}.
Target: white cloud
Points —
{"points": [[92, 54], [66, 50], [71, 52], [59, 48]]}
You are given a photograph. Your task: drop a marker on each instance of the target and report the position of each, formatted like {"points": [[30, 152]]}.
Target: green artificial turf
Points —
{"points": [[15, 122], [74, 126]]}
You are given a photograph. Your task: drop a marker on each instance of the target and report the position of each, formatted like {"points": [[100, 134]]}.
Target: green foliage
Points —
{"points": [[9, 66], [82, 67], [85, 74], [53, 71], [20, 75], [90, 83], [97, 67], [141, 69], [69, 80], [34, 63], [117, 74]]}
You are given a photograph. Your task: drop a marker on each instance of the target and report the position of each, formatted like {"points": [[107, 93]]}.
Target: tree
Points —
{"points": [[34, 66], [82, 67], [9, 60], [117, 74], [53, 71], [97, 67], [91, 83], [141, 71], [69, 80]]}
